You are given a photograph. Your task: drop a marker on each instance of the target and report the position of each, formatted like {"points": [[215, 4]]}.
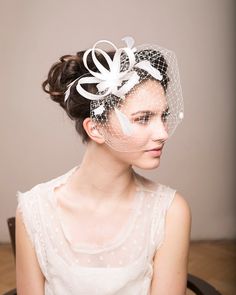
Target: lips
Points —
{"points": [[155, 149], [155, 152]]}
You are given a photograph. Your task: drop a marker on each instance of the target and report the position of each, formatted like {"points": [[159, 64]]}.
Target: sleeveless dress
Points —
{"points": [[124, 266]]}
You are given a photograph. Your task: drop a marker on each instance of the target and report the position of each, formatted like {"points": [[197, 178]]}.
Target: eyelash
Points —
{"points": [[143, 120], [165, 115]]}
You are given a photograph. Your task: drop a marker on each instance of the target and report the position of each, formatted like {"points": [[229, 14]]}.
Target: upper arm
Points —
{"points": [[171, 259], [29, 278]]}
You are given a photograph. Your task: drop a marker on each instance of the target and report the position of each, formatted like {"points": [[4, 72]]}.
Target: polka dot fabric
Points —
{"points": [[122, 265]]}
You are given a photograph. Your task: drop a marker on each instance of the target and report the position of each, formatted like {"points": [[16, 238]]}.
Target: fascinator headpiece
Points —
{"points": [[142, 80]]}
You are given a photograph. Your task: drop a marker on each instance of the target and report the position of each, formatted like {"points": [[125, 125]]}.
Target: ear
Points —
{"points": [[92, 130]]}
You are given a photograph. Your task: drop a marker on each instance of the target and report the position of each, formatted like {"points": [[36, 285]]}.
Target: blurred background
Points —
{"points": [[39, 142]]}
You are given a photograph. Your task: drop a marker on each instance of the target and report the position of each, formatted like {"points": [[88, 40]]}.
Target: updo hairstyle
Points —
{"points": [[71, 67]]}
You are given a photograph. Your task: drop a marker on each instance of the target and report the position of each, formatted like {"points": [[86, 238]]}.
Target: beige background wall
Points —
{"points": [[38, 141]]}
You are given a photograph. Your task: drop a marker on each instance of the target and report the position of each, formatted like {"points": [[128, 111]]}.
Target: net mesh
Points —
{"points": [[158, 104], [150, 109]]}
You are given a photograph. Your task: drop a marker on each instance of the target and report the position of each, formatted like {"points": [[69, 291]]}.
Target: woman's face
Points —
{"points": [[136, 139]]}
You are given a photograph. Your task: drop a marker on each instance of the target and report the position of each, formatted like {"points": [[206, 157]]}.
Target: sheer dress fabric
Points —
{"points": [[122, 266]]}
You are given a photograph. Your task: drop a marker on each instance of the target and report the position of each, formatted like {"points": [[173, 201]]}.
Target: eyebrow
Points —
{"points": [[149, 112]]}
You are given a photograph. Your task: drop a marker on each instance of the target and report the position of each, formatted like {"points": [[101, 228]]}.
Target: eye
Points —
{"points": [[143, 119], [165, 115]]}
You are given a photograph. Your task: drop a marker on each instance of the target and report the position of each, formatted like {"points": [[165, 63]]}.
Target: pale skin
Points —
{"points": [[86, 199]]}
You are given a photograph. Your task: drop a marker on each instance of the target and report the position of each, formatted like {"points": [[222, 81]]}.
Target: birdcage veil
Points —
{"points": [[138, 93]]}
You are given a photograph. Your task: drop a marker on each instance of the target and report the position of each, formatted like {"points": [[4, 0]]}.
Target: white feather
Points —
{"points": [[124, 122]]}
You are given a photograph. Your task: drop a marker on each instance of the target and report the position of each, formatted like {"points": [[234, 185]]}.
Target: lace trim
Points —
{"points": [[159, 216], [23, 208], [28, 205]]}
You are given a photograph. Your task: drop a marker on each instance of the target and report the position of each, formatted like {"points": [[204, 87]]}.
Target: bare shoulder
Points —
{"points": [[171, 258], [179, 209]]}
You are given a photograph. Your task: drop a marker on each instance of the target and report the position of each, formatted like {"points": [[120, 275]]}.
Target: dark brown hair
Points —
{"points": [[71, 67]]}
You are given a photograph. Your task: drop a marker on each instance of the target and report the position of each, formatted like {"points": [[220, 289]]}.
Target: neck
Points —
{"points": [[102, 175]]}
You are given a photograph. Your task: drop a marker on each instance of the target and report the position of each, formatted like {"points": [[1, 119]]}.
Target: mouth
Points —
{"points": [[155, 149], [155, 152]]}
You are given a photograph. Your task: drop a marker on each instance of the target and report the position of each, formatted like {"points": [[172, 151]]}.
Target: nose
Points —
{"points": [[159, 131]]}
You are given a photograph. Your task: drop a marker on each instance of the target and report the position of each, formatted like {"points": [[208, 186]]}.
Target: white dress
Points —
{"points": [[124, 266]]}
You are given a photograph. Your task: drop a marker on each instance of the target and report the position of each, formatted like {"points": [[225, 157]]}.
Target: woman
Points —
{"points": [[101, 228]]}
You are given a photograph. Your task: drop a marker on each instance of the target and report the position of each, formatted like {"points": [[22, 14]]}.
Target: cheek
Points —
{"points": [[140, 137], [137, 141]]}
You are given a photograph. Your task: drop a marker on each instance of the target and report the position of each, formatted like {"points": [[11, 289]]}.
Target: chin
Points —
{"points": [[148, 164]]}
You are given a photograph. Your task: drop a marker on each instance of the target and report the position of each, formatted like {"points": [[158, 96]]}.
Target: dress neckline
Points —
{"points": [[123, 232]]}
